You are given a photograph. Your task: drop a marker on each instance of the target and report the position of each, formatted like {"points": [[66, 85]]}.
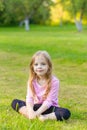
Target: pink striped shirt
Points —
{"points": [[52, 98]]}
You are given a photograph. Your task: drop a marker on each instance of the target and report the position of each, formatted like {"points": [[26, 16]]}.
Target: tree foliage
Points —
{"points": [[13, 11], [77, 9], [75, 6]]}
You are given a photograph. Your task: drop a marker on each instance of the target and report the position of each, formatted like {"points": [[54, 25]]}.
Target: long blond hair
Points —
{"points": [[33, 76]]}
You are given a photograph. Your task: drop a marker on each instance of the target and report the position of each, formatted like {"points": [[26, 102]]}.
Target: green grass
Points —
{"points": [[68, 50]]}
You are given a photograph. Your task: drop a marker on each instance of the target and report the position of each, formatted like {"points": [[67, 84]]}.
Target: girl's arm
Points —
{"points": [[51, 98], [31, 113], [43, 108], [30, 104]]}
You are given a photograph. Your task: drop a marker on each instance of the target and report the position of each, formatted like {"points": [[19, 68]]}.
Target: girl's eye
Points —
{"points": [[43, 63], [36, 64]]}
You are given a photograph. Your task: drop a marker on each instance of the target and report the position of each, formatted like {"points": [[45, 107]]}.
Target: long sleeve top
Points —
{"points": [[52, 97]]}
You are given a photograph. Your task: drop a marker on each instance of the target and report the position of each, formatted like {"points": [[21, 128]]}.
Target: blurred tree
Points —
{"points": [[58, 5], [1, 5], [26, 10], [77, 9], [1, 10]]}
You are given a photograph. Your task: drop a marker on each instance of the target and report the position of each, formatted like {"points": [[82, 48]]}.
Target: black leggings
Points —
{"points": [[60, 113]]}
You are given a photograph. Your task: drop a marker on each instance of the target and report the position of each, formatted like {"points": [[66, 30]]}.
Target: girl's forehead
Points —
{"points": [[40, 58]]}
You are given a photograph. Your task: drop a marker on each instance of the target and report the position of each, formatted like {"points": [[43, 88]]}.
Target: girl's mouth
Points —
{"points": [[39, 70]]}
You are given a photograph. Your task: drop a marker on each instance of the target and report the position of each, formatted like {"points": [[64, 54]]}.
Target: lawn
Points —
{"points": [[68, 49]]}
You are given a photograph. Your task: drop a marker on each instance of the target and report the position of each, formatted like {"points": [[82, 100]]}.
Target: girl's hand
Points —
{"points": [[32, 114]]}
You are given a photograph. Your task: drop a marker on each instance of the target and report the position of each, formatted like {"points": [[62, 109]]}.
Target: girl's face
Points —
{"points": [[40, 66]]}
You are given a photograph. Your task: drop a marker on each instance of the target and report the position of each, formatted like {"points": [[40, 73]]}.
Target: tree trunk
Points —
{"points": [[26, 22], [21, 23], [61, 22], [78, 24]]}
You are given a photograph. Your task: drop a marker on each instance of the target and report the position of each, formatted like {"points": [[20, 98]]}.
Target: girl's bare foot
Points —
{"points": [[50, 116], [42, 117]]}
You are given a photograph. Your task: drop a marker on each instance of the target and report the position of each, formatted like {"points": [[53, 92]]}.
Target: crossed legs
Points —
{"points": [[53, 113]]}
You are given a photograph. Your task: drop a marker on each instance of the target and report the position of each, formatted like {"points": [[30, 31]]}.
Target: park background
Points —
{"points": [[59, 27]]}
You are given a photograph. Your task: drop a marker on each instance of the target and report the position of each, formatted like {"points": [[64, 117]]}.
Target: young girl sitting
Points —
{"points": [[42, 92]]}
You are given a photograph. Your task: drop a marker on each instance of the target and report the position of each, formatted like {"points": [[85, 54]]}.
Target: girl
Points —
{"points": [[42, 92]]}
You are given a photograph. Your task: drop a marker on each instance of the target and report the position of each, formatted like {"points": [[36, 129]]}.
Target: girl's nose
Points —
{"points": [[39, 66]]}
